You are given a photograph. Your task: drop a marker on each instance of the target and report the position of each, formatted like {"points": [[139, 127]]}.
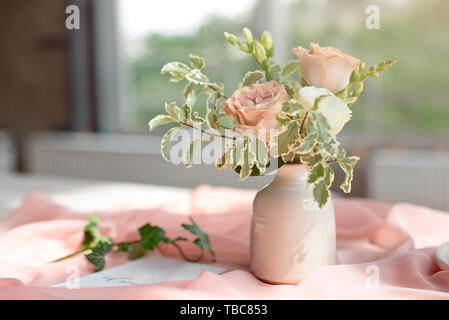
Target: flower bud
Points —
{"points": [[260, 51], [248, 35], [232, 39], [266, 40]]}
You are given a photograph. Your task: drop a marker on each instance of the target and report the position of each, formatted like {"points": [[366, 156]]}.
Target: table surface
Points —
{"points": [[77, 194], [87, 196]]}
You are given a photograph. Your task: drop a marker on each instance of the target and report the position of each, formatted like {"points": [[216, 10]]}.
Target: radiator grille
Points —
{"points": [[413, 176], [131, 158]]}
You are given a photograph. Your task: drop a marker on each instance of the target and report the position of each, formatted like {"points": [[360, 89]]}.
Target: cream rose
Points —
{"points": [[256, 106], [334, 109], [326, 67]]}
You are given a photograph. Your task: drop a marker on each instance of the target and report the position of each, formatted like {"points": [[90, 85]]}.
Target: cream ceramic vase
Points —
{"points": [[290, 235]]}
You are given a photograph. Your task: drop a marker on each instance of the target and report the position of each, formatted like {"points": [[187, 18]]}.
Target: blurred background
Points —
{"points": [[75, 103]]}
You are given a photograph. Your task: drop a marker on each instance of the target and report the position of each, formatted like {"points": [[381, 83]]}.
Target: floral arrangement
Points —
{"points": [[278, 115]]}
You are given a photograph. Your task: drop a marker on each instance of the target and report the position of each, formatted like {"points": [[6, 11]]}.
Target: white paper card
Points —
{"points": [[146, 270]]}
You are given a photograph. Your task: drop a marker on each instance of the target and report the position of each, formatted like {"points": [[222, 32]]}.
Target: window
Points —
{"points": [[412, 97], [154, 33]]}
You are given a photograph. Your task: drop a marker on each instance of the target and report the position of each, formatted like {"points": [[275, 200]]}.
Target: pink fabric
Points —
{"points": [[384, 251]]}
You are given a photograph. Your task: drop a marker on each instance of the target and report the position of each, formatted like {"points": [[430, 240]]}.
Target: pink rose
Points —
{"points": [[326, 67], [256, 106]]}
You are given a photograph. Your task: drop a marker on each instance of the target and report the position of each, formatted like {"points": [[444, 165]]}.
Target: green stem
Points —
{"points": [[134, 242], [71, 255], [184, 255]]}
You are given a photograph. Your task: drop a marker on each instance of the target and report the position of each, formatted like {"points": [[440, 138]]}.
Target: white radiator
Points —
{"points": [[413, 176], [133, 158]]}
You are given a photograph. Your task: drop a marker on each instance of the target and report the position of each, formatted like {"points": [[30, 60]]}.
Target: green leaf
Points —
{"points": [[91, 233], [189, 89], [196, 76], [151, 236], [196, 62], [309, 141], [175, 112], [290, 67], [251, 77], [177, 78], [227, 122], [275, 71], [175, 69], [240, 148], [322, 127], [304, 81], [284, 140], [321, 193], [328, 176], [203, 239], [258, 151], [311, 160], [212, 119], [316, 173], [347, 165], [134, 250], [291, 107], [226, 160], [188, 156], [291, 87], [160, 120], [165, 142], [102, 248]]}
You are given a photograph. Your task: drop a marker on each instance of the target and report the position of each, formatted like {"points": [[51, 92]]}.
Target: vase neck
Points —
{"points": [[291, 171]]}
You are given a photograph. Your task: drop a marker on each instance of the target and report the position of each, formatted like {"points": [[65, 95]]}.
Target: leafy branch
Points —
{"points": [[351, 93], [151, 237]]}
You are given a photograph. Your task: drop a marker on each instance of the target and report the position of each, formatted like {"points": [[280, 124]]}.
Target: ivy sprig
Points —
{"points": [[151, 237]]}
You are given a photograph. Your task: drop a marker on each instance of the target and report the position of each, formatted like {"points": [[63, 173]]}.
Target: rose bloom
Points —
{"points": [[326, 67], [334, 109], [255, 106]]}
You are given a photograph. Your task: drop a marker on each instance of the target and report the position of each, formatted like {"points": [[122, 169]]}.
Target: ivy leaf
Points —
{"points": [[290, 67], [251, 77], [151, 236], [347, 165], [188, 155], [134, 250], [91, 233], [321, 193], [203, 239], [102, 248], [160, 120], [165, 142], [196, 62]]}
